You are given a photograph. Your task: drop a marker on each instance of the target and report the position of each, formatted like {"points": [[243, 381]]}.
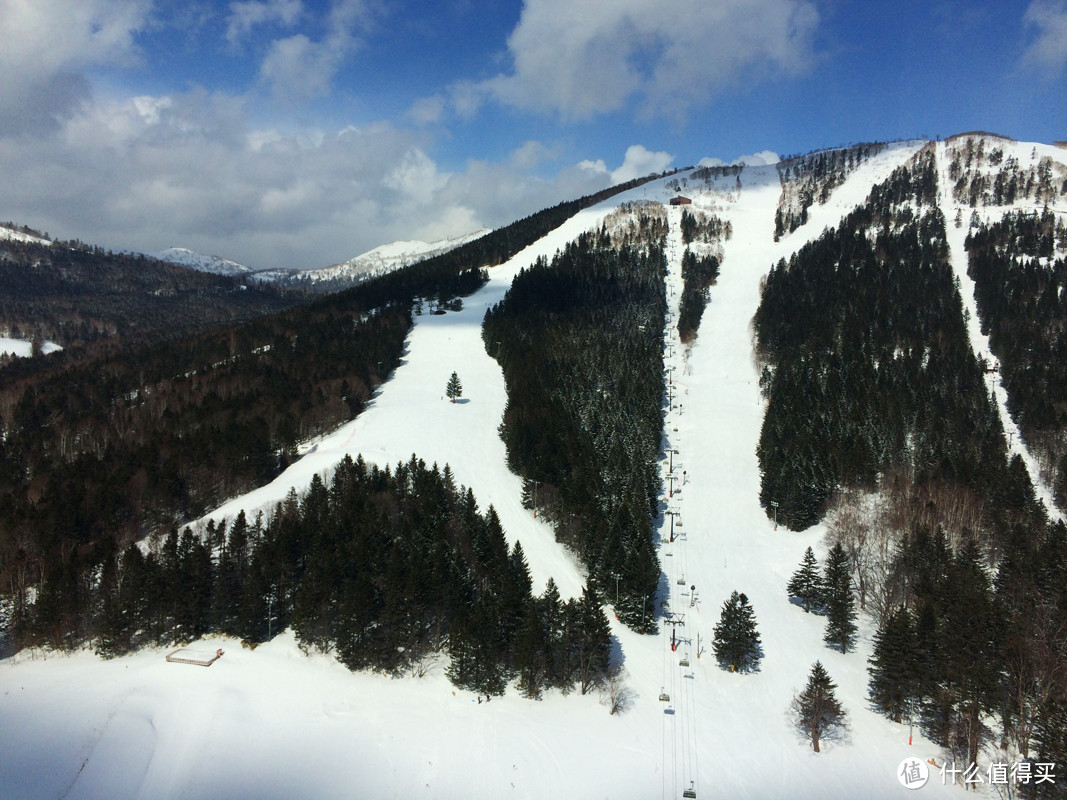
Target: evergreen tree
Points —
{"points": [[557, 663], [114, 629], [1051, 739], [894, 667], [590, 636], [806, 583], [840, 603], [736, 642], [454, 388], [530, 654], [967, 666], [816, 710]]}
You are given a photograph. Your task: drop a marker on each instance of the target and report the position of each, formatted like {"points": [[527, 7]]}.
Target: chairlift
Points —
{"points": [[684, 662], [681, 581], [664, 697], [690, 792]]}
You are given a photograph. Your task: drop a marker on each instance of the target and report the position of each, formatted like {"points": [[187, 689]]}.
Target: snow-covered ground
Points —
{"points": [[24, 347], [18, 236], [275, 723]]}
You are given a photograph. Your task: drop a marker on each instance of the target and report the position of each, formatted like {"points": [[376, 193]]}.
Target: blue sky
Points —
{"points": [[302, 132]]}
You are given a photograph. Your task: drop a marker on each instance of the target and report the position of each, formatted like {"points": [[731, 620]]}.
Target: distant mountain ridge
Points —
{"points": [[371, 264], [216, 265]]}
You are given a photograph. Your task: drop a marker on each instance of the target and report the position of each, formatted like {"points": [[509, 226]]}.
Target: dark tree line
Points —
{"points": [[868, 364], [1020, 274], [580, 342], [698, 272], [384, 568]]}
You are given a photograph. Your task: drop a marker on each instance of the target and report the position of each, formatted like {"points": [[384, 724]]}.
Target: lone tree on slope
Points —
{"points": [[815, 710], [454, 388], [806, 583], [736, 642]]}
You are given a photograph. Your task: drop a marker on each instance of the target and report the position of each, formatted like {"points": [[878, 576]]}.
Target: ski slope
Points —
{"points": [[957, 237], [276, 723]]}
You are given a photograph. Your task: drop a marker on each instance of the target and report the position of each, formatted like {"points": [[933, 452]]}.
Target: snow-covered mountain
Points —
{"points": [[387, 257], [378, 261], [193, 260], [275, 722]]}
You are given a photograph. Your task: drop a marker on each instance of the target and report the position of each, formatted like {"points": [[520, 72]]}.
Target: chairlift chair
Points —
{"points": [[690, 792], [664, 697]]}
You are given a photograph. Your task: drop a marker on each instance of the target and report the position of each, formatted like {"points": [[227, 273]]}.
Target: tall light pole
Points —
{"points": [[774, 505]]}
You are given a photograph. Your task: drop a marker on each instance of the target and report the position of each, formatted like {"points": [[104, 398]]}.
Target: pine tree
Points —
{"points": [[840, 603], [894, 667], [806, 583], [736, 642], [816, 710], [553, 613], [454, 388], [530, 654], [590, 636]]}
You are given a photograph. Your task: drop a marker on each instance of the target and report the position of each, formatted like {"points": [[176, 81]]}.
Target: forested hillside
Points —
{"points": [[580, 340], [869, 369], [386, 568], [1019, 266], [873, 390], [115, 446], [78, 295]]}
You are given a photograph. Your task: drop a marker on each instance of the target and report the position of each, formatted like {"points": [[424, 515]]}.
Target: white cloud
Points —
{"points": [[584, 59], [298, 68], [415, 177], [640, 162], [427, 110], [245, 16], [531, 153], [47, 44], [1048, 52]]}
